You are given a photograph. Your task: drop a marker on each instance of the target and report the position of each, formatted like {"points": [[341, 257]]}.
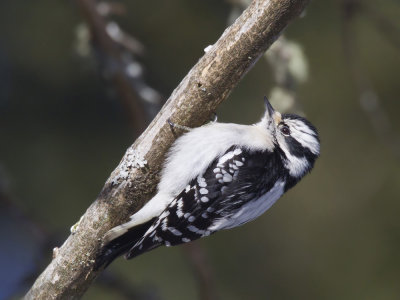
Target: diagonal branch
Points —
{"points": [[133, 182]]}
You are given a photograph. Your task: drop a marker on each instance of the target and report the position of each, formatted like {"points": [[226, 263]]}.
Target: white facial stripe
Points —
{"points": [[297, 166], [299, 125], [306, 140], [304, 135]]}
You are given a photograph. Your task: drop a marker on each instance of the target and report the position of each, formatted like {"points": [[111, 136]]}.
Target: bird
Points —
{"points": [[215, 177]]}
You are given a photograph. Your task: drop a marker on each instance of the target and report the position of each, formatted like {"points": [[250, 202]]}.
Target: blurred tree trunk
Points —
{"points": [[133, 182]]}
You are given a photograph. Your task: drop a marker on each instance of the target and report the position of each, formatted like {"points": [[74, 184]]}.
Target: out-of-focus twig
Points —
{"points": [[106, 8], [289, 66], [290, 69], [140, 100], [369, 100], [202, 269]]}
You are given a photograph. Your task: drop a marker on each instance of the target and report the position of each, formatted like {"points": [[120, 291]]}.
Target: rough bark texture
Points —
{"points": [[207, 84]]}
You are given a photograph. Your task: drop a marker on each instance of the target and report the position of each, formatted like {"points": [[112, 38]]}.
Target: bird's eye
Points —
{"points": [[285, 130]]}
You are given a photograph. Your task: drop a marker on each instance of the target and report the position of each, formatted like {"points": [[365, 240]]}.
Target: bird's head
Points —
{"points": [[295, 137]]}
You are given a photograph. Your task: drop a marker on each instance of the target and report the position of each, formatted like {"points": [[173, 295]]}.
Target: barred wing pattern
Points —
{"points": [[228, 185]]}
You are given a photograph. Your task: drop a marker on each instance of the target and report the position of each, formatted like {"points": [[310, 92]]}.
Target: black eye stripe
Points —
{"points": [[294, 147]]}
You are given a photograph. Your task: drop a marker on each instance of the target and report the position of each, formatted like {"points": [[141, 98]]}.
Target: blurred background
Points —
{"points": [[75, 76]]}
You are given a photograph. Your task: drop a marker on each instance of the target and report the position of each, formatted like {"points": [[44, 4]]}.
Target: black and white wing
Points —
{"points": [[236, 188]]}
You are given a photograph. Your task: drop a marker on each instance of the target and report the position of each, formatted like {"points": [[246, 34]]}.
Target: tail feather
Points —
{"points": [[120, 244], [145, 245]]}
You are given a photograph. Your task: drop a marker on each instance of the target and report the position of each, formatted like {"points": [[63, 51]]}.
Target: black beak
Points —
{"points": [[269, 107]]}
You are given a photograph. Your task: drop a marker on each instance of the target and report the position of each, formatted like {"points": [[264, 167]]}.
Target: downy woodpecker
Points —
{"points": [[215, 177]]}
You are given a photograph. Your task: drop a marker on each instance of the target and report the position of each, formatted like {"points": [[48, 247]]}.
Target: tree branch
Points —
{"points": [[130, 185]]}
